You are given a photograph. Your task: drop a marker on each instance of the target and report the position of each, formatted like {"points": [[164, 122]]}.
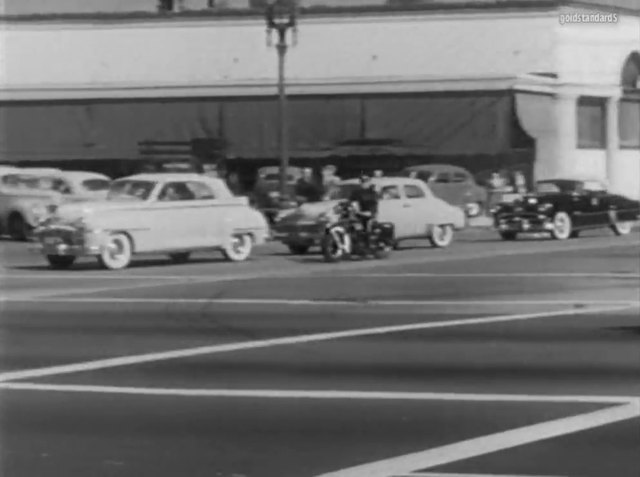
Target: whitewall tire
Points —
{"points": [[117, 252], [441, 236], [622, 228], [562, 226], [239, 248]]}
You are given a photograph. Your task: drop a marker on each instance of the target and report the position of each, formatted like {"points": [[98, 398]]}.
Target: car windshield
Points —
{"points": [[130, 190], [422, 175], [32, 182], [555, 187], [96, 185]]}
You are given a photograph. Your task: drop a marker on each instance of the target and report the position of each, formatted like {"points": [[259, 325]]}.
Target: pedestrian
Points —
{"points": [[330, 181], [306, 189], [378, 173]]}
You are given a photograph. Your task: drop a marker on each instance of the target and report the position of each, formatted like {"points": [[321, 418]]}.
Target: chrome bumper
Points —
{"points": [[63, 249], [524, 224]]}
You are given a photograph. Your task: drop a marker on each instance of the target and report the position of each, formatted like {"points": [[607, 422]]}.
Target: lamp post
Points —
{"points": [[281, 16]]}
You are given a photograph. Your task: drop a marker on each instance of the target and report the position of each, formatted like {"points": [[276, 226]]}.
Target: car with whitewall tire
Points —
{"points": [[172, 214]]}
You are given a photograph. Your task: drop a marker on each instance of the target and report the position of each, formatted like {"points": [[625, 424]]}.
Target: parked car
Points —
{"points": [[174, 214], [27, 195], [266, 196], [407, 203], [564, 208], [452, 184]]}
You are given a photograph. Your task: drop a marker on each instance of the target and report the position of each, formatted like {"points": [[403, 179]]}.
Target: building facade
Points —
{"points": [[504, 85]]}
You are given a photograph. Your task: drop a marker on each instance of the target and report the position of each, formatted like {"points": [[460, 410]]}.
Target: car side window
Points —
{"points": [[443, 178], [413, 192], [62, 186], [390, 192], [175, 191], [201, 191], [459, 177]]}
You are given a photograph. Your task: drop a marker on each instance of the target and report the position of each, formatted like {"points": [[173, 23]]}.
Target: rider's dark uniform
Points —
{"points": [[367, 200]]}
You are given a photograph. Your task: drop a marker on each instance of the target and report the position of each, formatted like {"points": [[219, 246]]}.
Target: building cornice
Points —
{"points": [[319, 88]]}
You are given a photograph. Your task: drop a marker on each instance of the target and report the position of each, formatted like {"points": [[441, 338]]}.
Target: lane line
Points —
{"points": [[328, 269], [494, 275], [491, 443], [289, 340], [319, 395], [312, 302], [439, 474]]}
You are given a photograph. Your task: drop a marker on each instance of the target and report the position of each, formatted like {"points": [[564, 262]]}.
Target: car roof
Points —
{"points": [[38, 170], [167, 176], [383, 181], [79, 175], [436, 168]]}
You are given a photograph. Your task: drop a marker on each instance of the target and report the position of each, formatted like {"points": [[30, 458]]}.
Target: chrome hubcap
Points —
{"points": [[115, 249]]}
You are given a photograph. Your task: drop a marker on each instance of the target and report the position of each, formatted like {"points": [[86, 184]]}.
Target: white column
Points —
{"points": [[613, 142], [566, 133]]}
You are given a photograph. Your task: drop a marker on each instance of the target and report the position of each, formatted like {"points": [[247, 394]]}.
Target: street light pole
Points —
{"points": [[281, 17]]}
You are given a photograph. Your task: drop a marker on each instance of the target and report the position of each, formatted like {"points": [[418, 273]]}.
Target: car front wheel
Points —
{"points": [[117, 253], [441, 236], [562, 226]]}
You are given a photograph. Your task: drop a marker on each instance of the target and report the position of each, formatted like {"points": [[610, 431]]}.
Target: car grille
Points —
{"points": [[61, 235]]}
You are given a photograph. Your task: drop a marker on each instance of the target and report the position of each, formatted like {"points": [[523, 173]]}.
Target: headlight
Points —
{"points": [[38, 210], [544, 207]]}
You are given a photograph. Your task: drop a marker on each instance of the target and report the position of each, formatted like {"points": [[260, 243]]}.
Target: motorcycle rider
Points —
{"points": [[365, 199]]}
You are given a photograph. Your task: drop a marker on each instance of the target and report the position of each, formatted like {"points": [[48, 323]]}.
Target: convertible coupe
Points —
{"points": [[564, 208]]}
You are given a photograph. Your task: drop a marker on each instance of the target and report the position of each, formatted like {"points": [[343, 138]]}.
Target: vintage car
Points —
{"points": [[563, 208], [28, 195], [452, 184], [405, 202], [153, 213]]}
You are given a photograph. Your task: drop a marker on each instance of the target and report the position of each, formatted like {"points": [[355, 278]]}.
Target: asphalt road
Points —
{"points": [[489, 358]]}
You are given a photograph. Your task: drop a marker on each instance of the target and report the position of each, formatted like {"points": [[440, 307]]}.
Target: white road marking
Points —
{"points": [[320, 395], [349, 266], [289, 340], [491, 443], [492, 275], [313, 302], [439, 474]]}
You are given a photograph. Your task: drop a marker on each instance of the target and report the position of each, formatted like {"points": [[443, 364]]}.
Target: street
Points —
{"points": [[488, 358]]}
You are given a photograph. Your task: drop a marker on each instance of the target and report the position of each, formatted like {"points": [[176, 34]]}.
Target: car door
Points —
{"points": [[395, 209], [460, 192], [211, 212], [419, 219], [177, 224]]}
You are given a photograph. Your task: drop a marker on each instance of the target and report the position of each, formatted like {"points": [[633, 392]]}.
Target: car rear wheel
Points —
{"points": [[239, 249], [117, 253], [60, 262], [622, 228], [298, 249], [441, 236], [180, 257], [509, 235], [562, 226]]}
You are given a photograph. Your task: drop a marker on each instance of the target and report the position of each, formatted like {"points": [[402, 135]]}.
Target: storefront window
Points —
{"points": [[629, 121], [591, 123]]}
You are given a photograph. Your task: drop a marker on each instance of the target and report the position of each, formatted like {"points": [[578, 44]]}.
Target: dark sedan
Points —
{"points": [[563, 208]]}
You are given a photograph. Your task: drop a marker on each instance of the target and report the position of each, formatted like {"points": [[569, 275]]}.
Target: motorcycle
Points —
{"points": [[346, 236]]}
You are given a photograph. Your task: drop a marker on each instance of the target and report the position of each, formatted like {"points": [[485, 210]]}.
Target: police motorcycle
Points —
{"points": [[346, 236]]}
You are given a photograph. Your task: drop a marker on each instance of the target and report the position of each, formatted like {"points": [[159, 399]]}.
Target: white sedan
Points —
{"points": [[153, 213], [407, 203]]}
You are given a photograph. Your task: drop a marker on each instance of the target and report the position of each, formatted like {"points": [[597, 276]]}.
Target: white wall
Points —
{"points": [[172, 53]]}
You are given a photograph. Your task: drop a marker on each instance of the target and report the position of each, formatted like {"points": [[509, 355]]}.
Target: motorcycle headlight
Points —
{"points": [[544, 207]]}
